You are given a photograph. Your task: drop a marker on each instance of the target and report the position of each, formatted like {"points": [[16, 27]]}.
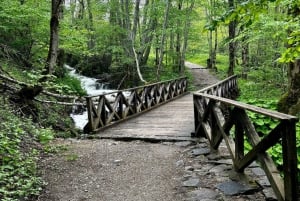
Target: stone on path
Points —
{"points": [[269, 194], [203, 194], [200, 151], [183, 143], [191, 182], [235, 188]]}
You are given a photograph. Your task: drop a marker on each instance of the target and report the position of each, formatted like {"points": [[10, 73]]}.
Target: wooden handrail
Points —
{"points": [[220, 118], [137, 88], [107, 109]]}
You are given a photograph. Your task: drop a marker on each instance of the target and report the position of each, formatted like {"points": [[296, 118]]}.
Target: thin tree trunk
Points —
{"points": [[162, 42], [137, 55], [91, 42], [149, 24], [56, 10], [178, 38], [187, 27], [214, 55], [231, 30], [245, 58]]}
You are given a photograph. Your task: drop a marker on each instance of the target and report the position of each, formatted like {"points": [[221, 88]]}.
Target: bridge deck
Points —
{"points": [[170, 122]]}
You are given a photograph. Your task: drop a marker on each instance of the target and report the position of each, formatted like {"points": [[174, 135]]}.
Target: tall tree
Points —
{"points": [[56, 14], [211, 15], [231, 31], [186, 28], [162, 40], [290, 102], [90, 26]]}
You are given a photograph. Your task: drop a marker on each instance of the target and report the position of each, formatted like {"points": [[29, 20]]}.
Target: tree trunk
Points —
{"points": [[290, 101], [137, 54], [185, 36], [91, 42], [147, 35], [214, 54], [162, 42], [231, 30], [56, 10]]}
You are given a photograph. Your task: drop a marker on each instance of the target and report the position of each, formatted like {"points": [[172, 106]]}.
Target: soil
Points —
{"points": [[108, 170]]}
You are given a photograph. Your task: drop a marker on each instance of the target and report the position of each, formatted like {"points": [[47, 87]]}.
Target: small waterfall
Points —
{"points": [[92, 87]]}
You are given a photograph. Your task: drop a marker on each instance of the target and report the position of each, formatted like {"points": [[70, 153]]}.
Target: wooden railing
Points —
{"points": [[106, 109], [220, 118]]}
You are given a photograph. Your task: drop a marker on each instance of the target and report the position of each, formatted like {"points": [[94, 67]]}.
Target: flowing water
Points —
{"points": [[92, 87]]}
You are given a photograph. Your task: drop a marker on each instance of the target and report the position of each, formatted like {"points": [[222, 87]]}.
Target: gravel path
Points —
{"points": [[106, 170]]}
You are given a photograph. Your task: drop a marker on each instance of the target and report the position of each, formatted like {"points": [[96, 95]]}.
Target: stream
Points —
{"points": [[92, 87]]}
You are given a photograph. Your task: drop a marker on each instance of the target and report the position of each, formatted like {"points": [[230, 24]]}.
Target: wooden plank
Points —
{"points": [[170, 122], [220, 123]]}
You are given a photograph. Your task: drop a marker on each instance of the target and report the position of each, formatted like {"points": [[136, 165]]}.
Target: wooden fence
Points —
{"points": [[106, 109], [220, 118]]}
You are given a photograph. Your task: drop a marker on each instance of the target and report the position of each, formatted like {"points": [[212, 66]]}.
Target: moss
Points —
{"points": [[282, 105], [289, 103], [295, 109]]}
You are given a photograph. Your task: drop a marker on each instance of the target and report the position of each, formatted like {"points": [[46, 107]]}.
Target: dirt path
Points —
{"points": [[202, 76], [107, 170]]}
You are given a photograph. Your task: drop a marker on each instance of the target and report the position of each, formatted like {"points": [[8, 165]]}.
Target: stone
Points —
{"points": [[269, 194], [183, 143], [203, 140], [213, 156], [235, 188], [220, 169], [189, 168], [203, 194], [258, 171], [253, 164], [191, 182], [179, 163], [225, 161], [117, 162], [200, 151], [264, 181]]}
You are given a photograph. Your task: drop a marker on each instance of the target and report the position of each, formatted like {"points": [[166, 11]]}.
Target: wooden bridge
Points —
{"points": [[211, 112]]}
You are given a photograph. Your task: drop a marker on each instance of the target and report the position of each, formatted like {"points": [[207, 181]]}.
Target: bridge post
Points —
{"points": [[289, 152], [89, 126]]}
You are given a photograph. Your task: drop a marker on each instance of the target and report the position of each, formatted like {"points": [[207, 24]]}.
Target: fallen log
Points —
{"points": [[60, 96]]}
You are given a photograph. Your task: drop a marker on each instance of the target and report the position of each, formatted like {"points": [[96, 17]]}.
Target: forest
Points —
{"points": [[127, 44]]}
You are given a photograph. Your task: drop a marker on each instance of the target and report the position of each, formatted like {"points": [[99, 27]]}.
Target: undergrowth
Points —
{"points": [[20, 147], [22, 140]]}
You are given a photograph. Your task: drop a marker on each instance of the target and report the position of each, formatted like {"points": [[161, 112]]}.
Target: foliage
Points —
{"points": [[262, 124], [69, 85], [19, 153], [24, 26]]}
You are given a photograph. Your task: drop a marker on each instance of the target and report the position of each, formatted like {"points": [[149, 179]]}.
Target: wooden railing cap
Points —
{"points": [[270, 113], [217, 84], [134, 88]]}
